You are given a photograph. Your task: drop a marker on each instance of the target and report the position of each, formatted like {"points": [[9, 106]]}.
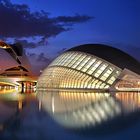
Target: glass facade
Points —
{"points": [[79, 70]]}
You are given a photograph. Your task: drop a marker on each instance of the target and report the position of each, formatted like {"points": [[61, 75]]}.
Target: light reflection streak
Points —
{"points": [[74, 109], [12, 103], [130, 100], [53, 104]]}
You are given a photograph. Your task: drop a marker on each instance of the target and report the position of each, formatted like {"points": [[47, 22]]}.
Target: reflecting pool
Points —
{"points": [[78, 115]]}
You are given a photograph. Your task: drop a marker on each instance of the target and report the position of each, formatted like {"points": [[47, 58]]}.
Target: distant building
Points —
{"points": [[92, 66], [13, 60], [15, 69]]}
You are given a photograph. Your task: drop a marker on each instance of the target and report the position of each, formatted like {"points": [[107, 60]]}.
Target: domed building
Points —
{"points": [[92, 66]]}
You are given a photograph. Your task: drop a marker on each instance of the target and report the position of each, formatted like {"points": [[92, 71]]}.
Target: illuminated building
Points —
{"points": [[13, 59], [15, 69], [92, 66]]}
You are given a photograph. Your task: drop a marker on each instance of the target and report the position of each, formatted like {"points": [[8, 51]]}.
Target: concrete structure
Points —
{"points": [[15, 69], [92, 66]]}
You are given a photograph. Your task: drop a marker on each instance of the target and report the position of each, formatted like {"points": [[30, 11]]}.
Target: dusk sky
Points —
{"points": [[46, 28]]}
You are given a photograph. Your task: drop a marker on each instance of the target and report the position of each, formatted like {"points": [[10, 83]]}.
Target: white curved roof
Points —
{"points": [[6, 61]]}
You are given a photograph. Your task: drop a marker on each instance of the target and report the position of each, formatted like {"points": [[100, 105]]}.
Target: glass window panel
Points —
{"points": [[97, 64], [93, 68], [96, 74], [93, 85], [103, 78], [88, 65], [111, 80], [72, 56], [96, 81], [84, 69], [83, 63], [90, 72], [69, 59], [74, 62], [107, 86], [102, 85], [106, 74]]}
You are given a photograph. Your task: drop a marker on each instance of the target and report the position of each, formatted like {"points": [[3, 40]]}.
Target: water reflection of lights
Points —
{"points": [[15, 95], [87, 109], [130, 100], [11, 104], [80, 109]]}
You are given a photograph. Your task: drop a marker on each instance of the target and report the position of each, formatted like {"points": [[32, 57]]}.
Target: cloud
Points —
{"points": [[26, 44], [73, 19], [38, 62], [31, 54], [42, 58], [18, 21], [38, 58]]}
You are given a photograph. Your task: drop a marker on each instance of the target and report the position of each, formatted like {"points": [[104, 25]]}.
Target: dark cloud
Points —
{"points": [[38, 61], [31, 54], [17, 21], [42, 58], [62, 50], [38, 58], [26, 44], [73, 19]]}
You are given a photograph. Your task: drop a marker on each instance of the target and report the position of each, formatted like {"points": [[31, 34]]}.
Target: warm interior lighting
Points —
{"points": [[4, 45], [78, 70]]}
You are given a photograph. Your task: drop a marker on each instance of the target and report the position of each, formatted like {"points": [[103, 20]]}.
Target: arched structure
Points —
{"points": [[14, 66], [13, 56], [92, 66]]}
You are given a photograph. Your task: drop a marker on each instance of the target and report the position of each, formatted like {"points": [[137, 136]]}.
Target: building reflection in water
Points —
{"points": [[74, 109], [130, 100], [11, 104]]}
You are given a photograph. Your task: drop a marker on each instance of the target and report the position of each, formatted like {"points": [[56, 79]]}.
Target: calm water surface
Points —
{"points": [[77, 115]]}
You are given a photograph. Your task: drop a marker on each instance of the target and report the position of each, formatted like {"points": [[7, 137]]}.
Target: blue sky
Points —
{"points": [[113, 22]]}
